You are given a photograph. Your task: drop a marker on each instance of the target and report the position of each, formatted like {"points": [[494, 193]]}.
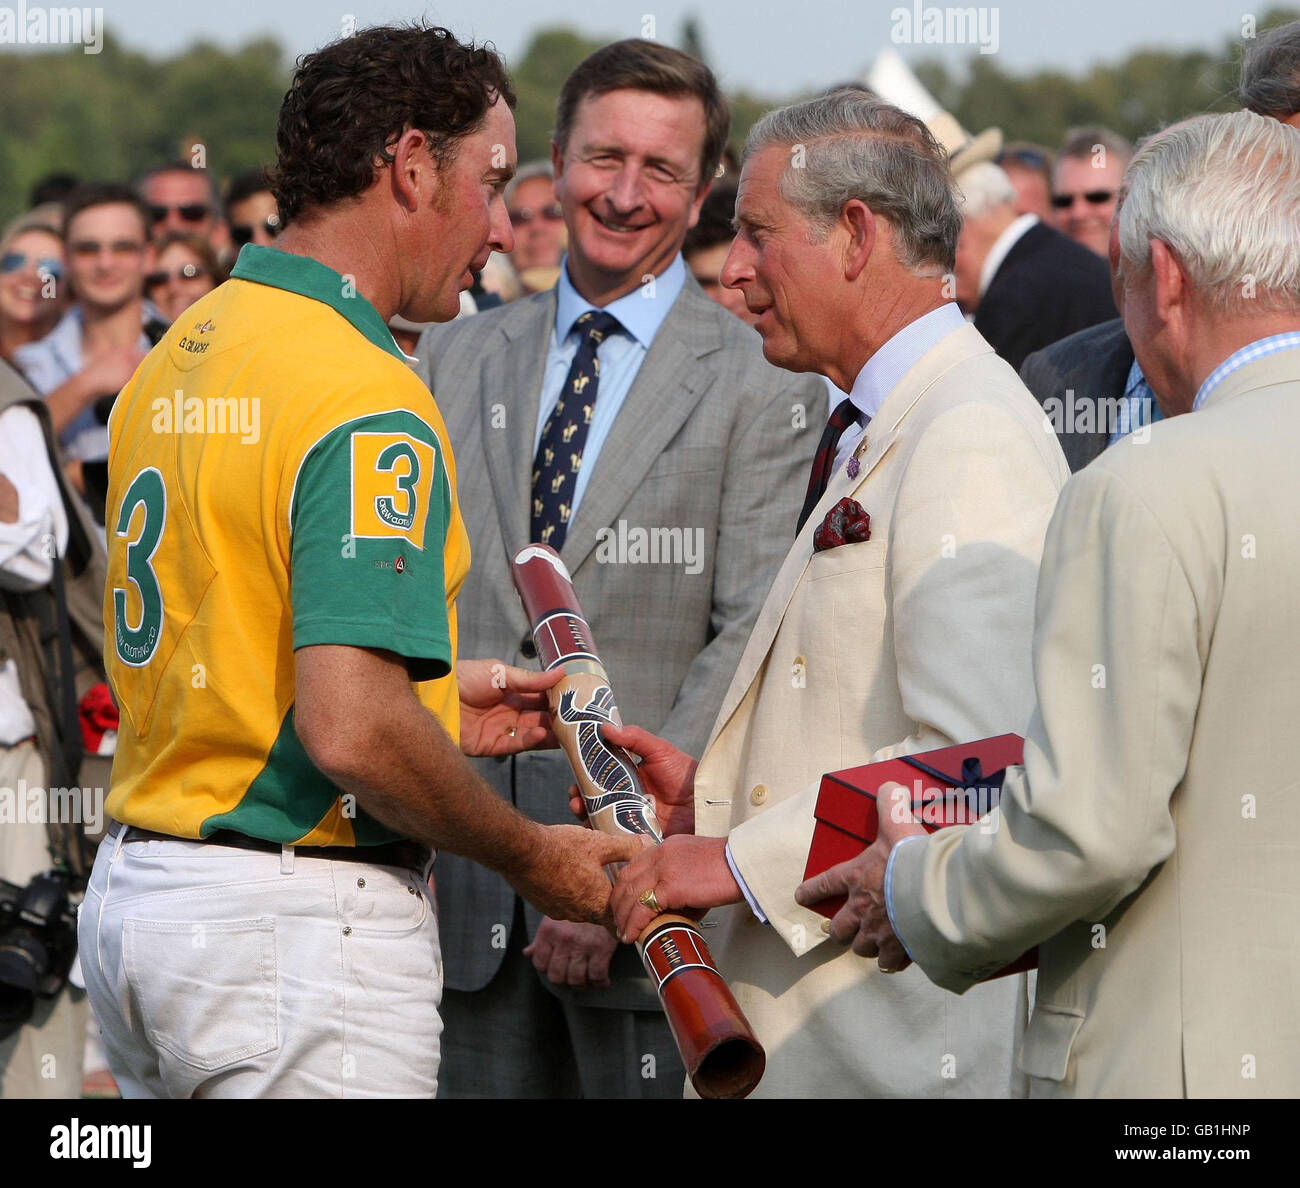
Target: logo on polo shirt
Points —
{"points": [[392, 478]]}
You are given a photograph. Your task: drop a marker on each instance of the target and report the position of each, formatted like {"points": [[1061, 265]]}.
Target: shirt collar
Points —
{"points": [[311, 278], [881, 373], [1258, 349], [641, 312], [1002, 248]]}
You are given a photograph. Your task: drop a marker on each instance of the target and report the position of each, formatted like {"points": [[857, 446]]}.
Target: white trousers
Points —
{"points": [[217, 972]]}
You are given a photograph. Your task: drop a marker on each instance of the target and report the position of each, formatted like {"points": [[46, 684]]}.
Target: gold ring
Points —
{"points": [[648, 899]]}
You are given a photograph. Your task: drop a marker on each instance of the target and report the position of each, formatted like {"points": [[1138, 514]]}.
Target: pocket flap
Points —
{"points": [[1045, 1050]]}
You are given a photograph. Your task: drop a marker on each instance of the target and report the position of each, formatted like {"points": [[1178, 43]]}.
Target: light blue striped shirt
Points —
{"points": [[641, 313], [1139, 406], [1258, 349]]}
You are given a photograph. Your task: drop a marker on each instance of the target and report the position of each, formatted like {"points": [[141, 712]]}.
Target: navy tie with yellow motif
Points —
{"points": [[559, 453]]}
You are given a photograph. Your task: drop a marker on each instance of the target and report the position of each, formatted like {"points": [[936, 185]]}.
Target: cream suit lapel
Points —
{"points": [[511, 389], [881, 434], [790, 574]]}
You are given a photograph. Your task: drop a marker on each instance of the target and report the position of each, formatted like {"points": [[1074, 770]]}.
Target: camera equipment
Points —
{"points": [[38, 943]]}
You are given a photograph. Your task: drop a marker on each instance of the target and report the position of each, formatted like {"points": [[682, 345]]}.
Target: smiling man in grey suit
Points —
{"points": [[634, 425]]}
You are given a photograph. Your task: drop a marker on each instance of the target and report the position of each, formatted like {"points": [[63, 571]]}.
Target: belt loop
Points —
{"points": [[286, 860], [118, 839]]}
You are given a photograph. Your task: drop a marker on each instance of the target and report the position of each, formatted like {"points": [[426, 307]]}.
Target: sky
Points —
{"points": [[769, 47]]}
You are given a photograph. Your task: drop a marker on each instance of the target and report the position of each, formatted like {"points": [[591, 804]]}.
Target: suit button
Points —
{"points": [[527, 648], [759, 794]]}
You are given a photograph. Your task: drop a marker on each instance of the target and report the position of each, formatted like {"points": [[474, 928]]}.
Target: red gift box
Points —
{"points": [[950, 786]]}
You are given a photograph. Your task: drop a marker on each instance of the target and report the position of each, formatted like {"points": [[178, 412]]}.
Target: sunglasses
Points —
{"points": [[525, 214], [184, 272], [45, 266], [242, 233], [93, 247], [1092, 197], [190, 212], [1034, 160]]}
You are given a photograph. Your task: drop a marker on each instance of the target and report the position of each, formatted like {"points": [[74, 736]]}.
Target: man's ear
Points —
{"points": [[697, 204], [1171, 287], [413, 175], [860, 224]]}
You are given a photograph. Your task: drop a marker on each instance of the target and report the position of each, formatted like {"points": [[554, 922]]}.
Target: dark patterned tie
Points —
{"points": [[559, 453], [845, 414]]}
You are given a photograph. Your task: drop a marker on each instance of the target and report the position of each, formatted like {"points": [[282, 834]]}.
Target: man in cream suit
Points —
{"points": [[915, 638], [692, 444], [1150, 844]]}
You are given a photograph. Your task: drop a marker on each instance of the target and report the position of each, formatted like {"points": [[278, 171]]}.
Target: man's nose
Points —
{"points": [[737, 267], [626, 191], [501, 232]]}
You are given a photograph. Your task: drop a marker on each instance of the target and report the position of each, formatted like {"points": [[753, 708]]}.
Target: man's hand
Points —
{"points": [[684, 872], [575, 955], [8, 501], [502, 708], [666, 774], [565, 875], [863, 919], [108, 372]]}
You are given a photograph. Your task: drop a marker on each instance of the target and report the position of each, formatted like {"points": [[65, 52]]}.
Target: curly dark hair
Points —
{"points": [[349, 101]]}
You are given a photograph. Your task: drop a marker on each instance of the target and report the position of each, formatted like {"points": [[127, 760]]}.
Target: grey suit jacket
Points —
{"points": [[711, 440], [1077, 381]]}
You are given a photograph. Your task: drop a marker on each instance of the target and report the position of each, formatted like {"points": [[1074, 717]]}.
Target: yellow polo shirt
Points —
{"points": [[278, 478]]}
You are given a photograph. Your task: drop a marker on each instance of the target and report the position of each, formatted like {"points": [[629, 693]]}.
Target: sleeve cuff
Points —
{"points": [[744, 887], [889, 888]]}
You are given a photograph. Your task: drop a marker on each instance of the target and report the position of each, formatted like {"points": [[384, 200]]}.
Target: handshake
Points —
{"points": [[690, 874], [503, 711]]}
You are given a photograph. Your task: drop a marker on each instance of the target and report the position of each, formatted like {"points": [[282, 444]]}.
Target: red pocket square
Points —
{"points": [[845, 523]]}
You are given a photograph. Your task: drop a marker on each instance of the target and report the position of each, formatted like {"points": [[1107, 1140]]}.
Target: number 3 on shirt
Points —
{"points": [[136, 643]]}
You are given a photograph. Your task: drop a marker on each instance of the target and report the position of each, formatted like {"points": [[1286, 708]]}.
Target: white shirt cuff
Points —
{"points": [[889, 885], [744, 887]]}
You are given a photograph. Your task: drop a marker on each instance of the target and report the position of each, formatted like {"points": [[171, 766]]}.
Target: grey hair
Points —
{"points": [[1270, 73], [1222, 192], [538, 168], [983, 186], [1081, 144], [857, 146]]}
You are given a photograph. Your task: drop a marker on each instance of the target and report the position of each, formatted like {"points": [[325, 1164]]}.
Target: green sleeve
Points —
{"points": [[368, 524]]}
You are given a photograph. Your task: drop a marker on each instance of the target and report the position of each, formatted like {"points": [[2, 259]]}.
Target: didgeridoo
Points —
{"points": [[722, 1056]]}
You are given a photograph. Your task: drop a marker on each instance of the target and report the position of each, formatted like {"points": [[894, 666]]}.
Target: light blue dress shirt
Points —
{"points": [[1258, 349], [641, 313], [1139, 407]]}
